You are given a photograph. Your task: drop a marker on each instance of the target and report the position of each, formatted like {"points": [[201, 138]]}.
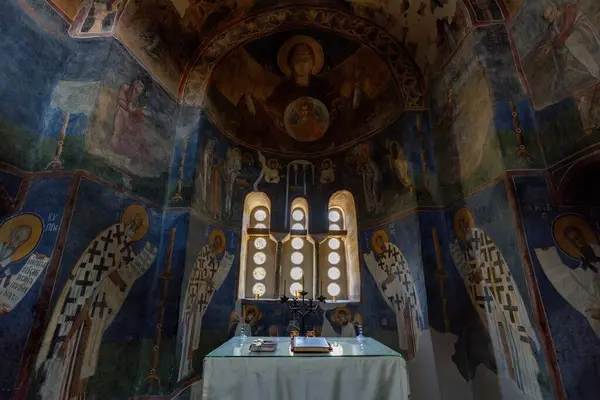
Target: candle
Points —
{"points": [[297, 294], [333, 298], [321, 293], [284, 287], [256, 296]]}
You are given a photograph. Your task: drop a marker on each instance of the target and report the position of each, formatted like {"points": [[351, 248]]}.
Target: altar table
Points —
{"points": [[370, 371]]}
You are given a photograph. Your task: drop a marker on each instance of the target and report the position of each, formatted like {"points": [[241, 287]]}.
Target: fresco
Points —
{"points": [[559, 44], [465, 137], [207, 294], [305, 94], [155, 33], [485, 11], [96, 301], [563, 244], [27, 240], [388, 174], [430, 33], [68, 7], [394, 267], [96, 18], [10, 185], [487, 337]]}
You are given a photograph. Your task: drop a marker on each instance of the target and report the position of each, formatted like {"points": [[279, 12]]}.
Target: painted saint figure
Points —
{"points": [[573, 32], [207, 276], [128, 134], [399, 165], [233, 169], [389, 268], [269, 171], [327, 171], [90, 300], [204, 172], [495, 296], [18, 237], [579, 286], [371, 178]]}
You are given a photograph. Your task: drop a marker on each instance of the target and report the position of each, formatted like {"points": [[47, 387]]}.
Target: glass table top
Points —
{"points": [[342, 347]]}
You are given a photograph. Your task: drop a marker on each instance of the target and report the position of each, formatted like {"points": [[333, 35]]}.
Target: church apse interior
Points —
{"points": [[150, 148]]}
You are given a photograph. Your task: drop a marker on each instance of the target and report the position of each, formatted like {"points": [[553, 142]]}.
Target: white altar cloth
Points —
{"points": [[370, 371]]}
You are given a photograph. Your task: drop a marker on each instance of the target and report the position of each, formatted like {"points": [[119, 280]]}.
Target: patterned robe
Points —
{"points": [[400, 294], [496, 298], [205, 279], [90, 300]]}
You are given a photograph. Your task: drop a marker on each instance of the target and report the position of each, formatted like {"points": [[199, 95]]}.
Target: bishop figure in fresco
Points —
{"points": [[208, 274], [90, 300], [579, 286], [390, 270], [495, 296]]}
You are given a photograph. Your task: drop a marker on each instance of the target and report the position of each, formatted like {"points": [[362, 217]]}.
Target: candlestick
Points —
{"points": [[334, 298]]}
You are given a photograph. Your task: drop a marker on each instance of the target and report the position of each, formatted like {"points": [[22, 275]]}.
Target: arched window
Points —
{"points": [[339, 272], [298, 254], [258, 255]]}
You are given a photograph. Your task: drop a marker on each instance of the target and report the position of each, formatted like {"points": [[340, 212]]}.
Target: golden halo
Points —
{"points": [[140, 210], [30, 220], [283, 57], [378, 233], [338, 311], [213, 235], [252, 308], [575, 221], [463, 214]]}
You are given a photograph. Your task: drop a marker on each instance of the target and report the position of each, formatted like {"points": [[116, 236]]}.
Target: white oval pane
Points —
{"points": [[297, 243], [259, 289], [260, 243], [333, 258], [260, 225], [295, 287], [259, 273], [333, 289], [259, 258], [298, 215], [296, 273], [334, 244], [334, 273], [334, 215], [297, 227], [297, 257], [334, 227], [260, 215]]}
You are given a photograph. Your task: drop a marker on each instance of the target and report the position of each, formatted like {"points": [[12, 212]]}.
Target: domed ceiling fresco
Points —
{"points": [[182, 41], [302, 92]]}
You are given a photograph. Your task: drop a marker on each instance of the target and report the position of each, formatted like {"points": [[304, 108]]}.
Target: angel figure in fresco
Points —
{"points": [[128, 133], [269, 171], [233, 169], [496, 298], [205, 168], [372, 182], [390, 270], [90, 300], [327, 171], [399, 165], [210, 270], [573, 32], [579, 286]]}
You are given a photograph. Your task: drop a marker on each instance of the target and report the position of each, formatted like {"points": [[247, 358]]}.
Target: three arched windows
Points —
{"points": [[276, 263]]}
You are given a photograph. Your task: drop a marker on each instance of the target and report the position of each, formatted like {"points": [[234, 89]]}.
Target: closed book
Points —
{"points": [[310, 345]]}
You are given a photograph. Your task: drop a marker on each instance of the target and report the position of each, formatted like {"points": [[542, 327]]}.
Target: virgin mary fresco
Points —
{"points": [[302, 109]]}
